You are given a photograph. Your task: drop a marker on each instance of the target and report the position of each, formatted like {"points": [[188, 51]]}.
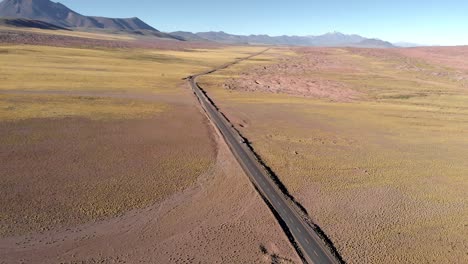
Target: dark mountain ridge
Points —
{"points": [[29, 23], [60, 15]]}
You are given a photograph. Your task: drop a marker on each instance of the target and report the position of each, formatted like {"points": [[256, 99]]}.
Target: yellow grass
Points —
{"points": [[21, 107], [65, 69], [131, 71], [89, 134]]}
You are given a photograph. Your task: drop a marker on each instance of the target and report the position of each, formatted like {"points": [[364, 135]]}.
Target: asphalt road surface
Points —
{"points": [[312, 247]]}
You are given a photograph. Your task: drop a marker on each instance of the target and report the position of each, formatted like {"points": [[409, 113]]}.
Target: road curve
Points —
{"points": [[311, 246]]}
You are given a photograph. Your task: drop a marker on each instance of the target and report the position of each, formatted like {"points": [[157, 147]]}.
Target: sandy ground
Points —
{"points": [[220, 220]]}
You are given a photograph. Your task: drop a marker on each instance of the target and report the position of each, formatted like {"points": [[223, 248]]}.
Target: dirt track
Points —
{"points": [[220, 220], [68, 171]]}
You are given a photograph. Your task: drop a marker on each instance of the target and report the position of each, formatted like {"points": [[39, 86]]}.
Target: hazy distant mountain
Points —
{"points": [[333, 39], [223, 37], [60, 15], [336, 39], [187, 36], [374, 43], [407, 44]]}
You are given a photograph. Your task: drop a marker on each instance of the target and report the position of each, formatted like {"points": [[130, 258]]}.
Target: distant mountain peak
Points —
{"points": [[335, 33], [405, 44], [60, 15]]}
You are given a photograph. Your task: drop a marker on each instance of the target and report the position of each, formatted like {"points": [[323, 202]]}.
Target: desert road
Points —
{"points": [[311, 246]]}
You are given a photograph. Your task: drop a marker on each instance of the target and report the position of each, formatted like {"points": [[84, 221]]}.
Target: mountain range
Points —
{"points": [[407, 44], [332, 39], [61, 16]]}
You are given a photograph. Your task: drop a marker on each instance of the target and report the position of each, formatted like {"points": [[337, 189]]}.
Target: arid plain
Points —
{"points": [[233, 132], [107, 157], [372, 142]]}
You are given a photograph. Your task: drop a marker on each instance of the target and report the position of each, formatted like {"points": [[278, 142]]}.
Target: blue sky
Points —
{"points": [[427, 22]]}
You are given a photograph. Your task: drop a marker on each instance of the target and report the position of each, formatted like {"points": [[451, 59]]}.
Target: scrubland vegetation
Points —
{"points": [[89, 133], [383, 172], [38, 68]]}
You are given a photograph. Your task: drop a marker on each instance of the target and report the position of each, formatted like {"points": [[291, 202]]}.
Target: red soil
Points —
{"points": [[292, 76], [448, 56]]}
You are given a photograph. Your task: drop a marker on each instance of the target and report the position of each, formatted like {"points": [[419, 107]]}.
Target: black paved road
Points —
{"points": [[312, 247]]}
